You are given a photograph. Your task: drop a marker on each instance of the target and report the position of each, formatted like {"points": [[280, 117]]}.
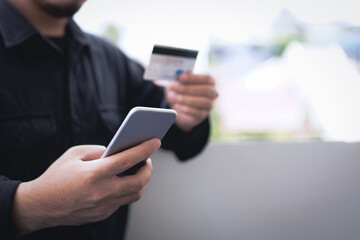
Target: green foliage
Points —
{"points": [[111, 32], [281, 42]]}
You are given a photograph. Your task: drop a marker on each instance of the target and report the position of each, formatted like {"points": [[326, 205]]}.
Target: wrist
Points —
{"points": [[185, 129], [26, 210]]}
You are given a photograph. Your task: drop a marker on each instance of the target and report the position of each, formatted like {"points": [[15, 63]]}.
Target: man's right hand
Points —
{"points": [[78, 188]]}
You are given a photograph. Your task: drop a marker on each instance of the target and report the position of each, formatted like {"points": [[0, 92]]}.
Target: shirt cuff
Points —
{"points": [[7, 193], [187, 145]]}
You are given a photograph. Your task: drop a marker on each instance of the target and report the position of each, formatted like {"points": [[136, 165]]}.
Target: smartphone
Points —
{"points": [[141, 124]]}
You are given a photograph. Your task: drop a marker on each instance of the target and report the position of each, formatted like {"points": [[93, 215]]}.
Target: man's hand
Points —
{"points": [[79, 188], [192, 97]]}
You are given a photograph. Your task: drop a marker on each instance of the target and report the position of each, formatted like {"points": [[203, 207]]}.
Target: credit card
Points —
{"points": [[166, 63]]}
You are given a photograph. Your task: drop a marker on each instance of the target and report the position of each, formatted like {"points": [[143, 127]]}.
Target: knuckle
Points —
{"points": [[72, 149], [211, 80], [137, 196], [128, 188], [125, 161], [209, 105], [181, 88], [90, 176], [102, 214], [142, 182], [203, 114], [180, 98], [139, 183], [96, 197], [98, 218], [205, 103], [185, 109], [80, 150], [75, 150], [209, 93], [208, 79]]}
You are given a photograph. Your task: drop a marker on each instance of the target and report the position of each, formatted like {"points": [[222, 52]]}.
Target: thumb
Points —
{"points": [[91, 152], [162, 83]]}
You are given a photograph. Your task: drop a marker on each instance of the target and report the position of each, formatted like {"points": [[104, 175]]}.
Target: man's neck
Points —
{"points": [[45, 23]]}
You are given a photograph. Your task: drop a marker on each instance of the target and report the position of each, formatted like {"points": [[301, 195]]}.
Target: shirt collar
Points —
{"points": [[76, 33], [16, 29]]}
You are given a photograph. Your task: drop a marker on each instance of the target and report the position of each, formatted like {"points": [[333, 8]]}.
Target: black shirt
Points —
{"points": [[51, 100]]}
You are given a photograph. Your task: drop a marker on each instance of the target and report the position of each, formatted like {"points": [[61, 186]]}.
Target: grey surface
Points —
{"points": [[253, 191]]}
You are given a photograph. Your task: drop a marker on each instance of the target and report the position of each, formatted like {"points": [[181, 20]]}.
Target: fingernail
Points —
{"points": [[172, 96], [156, 144]]}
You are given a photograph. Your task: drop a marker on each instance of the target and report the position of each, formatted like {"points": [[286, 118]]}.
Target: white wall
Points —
{"points": [[253, 191]]}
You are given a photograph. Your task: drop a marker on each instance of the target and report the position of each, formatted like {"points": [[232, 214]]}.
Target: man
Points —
{"points": [[61, 87]]}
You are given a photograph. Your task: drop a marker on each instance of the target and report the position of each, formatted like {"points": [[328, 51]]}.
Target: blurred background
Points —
{"points": [[288, 73], [285, 70]]}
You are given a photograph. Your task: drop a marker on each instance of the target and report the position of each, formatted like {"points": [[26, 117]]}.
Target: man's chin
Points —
{"points": [[60, 8]]}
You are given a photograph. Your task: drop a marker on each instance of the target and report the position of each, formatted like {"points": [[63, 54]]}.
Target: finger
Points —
{"points": [[133, 183], [86, 152], [190, 78], [95, 153], [199, 114], [163, 83], [122, 161], [107, 207], [192, 101], [208, 91], [124, 200]]}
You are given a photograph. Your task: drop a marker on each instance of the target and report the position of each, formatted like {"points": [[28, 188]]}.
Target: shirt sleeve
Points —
{"points": [[146, 93], [187, 145], [7, 192]]}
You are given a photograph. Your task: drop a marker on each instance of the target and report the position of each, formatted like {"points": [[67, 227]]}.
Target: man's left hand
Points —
{"points": [[192, 97]]}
